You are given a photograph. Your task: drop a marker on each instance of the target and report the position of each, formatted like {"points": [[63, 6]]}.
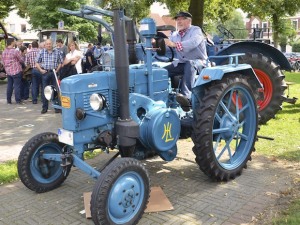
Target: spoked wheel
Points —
{"points": [[37, 173], [121, 193], [225, 128]]}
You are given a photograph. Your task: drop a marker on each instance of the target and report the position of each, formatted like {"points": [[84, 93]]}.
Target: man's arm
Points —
{"points": [[170, 43]]}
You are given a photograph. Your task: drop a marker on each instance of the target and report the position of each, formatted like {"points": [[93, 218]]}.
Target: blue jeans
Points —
{"points": [[14, 84], [36, 82], [47, 79], [25, 85], [188, 70]]}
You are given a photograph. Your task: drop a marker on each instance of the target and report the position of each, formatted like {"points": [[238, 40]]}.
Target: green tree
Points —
{"points": [[275, 10], [5, 7], [236, 25], [296, 46], [288, 35], [136, 9], [206, 14], [40, 18]]}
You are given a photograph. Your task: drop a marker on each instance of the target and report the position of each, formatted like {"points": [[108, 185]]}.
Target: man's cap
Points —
{"points": [[183, 14]]}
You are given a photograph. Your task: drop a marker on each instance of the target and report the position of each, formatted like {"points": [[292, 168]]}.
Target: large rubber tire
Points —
{"points": [[31, 169], [273, 82], [225, 131], [121, 193]]}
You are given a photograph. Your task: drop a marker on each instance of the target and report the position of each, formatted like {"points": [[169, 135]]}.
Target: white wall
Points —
{"points": [[13, 20]]}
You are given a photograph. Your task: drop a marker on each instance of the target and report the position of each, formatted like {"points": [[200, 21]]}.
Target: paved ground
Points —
{"points": [[196, 199]]}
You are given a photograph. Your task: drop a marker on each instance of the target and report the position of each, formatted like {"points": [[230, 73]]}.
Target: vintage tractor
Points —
{"points": [[268, 63], [54, 34], [133, 109]]}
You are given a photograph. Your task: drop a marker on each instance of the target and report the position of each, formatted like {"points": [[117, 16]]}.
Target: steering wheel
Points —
{"points": [[161, 51], [225, 32]]}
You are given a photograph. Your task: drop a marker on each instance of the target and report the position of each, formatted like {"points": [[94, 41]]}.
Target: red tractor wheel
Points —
{"points": [[272, 78]]}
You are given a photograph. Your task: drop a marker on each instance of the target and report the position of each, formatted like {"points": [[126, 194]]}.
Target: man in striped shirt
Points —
{"points": [[47, 60], [36, 79], [12, 60]]}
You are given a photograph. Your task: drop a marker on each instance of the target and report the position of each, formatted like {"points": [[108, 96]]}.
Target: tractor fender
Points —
{"points": [[210, 74], [259, 48]]}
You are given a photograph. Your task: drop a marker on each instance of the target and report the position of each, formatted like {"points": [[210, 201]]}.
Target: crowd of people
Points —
{"points": [[37, 67], [30, 69]]}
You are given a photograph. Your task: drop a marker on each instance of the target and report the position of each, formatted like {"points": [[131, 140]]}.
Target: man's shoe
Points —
{"points": [[34, 102], [184, 102], [9, 103], [57, 110], [21, 103], [44, 111]]}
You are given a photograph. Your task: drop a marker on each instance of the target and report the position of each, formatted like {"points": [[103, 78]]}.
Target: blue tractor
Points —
{"points": [[133, 109]]}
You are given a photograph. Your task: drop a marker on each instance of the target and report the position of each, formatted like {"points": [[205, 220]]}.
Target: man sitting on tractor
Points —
{"points": [[189, 44]]}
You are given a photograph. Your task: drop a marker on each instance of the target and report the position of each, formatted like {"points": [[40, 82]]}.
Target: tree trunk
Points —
{"points": [[196, 8], [275, 28]]}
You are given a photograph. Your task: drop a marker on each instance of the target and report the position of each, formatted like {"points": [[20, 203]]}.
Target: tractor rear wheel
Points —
{"points": [[225, 127], [121, 193], [272, 78]]}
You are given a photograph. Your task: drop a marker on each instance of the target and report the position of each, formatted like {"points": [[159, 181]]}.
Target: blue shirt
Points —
{"points": [[49, 60], [193, 44]]}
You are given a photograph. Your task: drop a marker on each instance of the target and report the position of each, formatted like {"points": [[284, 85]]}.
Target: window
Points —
{"points": [[23, 28], [12, 28], [255, 25], [265, 26], [295, 24]]}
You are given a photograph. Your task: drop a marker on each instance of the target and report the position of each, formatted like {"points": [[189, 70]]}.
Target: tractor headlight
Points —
{"points": [[97, 102], [50, 92]]}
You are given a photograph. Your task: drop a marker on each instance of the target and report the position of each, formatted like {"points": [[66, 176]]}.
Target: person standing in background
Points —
{"points": [[72, 62], [47, 60], [12, 61], [36, 79], [29, 48], [61, 47], [90, 59], [26, 76], [19, 43]]}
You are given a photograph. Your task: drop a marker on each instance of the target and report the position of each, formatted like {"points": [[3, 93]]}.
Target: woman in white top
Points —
{"points": [[74, 57]]}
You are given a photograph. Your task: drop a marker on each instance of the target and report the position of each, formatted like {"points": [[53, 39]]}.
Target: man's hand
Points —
{"points": [[169, 43]]}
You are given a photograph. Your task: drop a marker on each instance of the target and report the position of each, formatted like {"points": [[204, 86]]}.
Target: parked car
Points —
{"points": [[294, 59]]}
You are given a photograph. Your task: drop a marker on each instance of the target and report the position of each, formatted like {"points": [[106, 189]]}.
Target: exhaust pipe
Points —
{"points": [[127, 130]]}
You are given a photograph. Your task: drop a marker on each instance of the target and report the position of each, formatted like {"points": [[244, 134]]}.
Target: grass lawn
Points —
{"points": [[8, 172], [285, 128]]}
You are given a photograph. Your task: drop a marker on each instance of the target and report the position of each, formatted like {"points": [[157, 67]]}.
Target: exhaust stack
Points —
{"points": [[127, 129]]}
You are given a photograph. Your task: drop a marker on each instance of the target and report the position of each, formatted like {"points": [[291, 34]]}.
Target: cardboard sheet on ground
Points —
{"points": [[158, 202]]}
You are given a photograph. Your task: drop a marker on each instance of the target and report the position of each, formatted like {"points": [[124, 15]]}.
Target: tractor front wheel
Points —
{"points": [[39, 174], [121, 193]]}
